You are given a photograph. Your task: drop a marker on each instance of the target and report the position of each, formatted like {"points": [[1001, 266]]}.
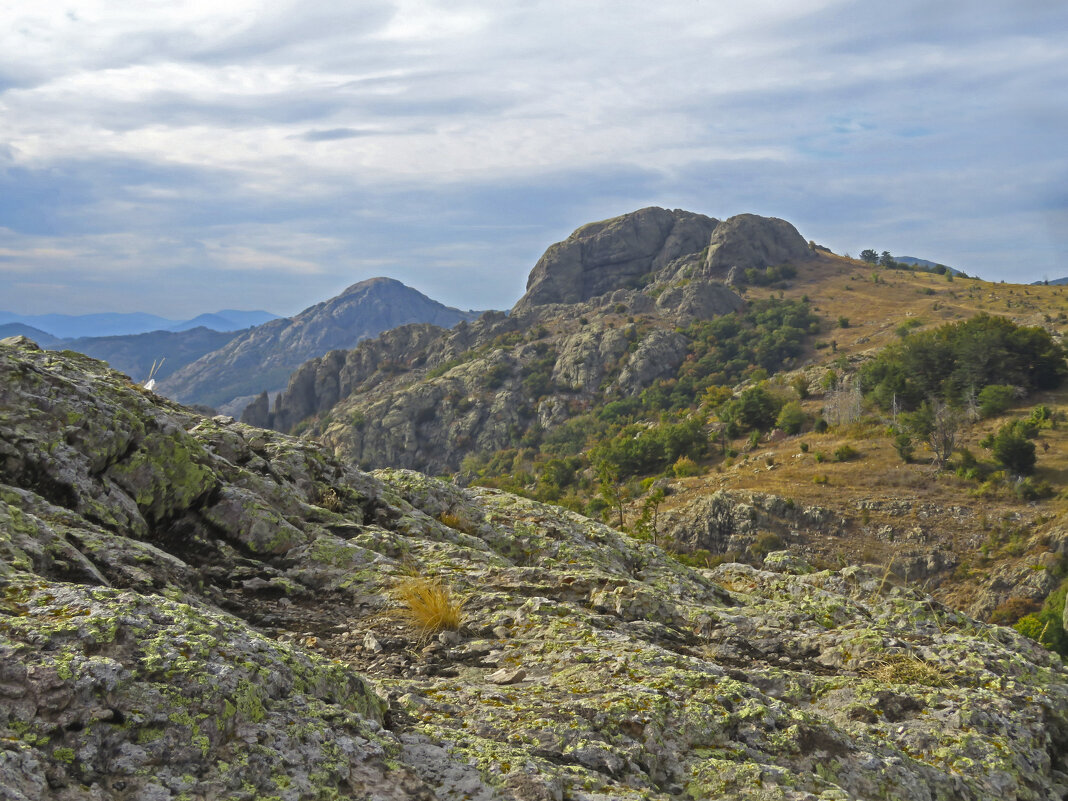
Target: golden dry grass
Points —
{"points": [[428, 605], [840, 287], [908, 669]]}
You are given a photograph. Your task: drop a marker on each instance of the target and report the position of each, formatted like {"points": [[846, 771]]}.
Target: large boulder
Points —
{"points": [[750, 241], [614, 254]]}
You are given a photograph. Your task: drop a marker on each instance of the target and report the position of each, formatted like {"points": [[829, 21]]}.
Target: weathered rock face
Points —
{"points": [[187, 606], [422, 397], [264, 357], [699, 300], [657, 356], [587, 355], [747, 240], [614, 254], [730, 522], [318, 384]]}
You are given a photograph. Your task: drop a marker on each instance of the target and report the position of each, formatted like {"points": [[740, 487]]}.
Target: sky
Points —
{"points": [[186, 156]]}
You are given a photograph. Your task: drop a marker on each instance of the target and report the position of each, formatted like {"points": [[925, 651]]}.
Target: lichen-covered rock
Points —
{"points": [[586, 355], [699, 300], [109, 693], [726, 522], [642, 679], [168, 646]]}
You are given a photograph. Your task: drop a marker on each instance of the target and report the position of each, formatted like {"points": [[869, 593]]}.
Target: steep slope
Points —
{"points": [[604, 317], [134, 354], [589, 666], [262, 358]]}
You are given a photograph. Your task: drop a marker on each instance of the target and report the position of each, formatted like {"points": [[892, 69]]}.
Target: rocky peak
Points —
{"points": [[614, 254], [750, 241], [264, 357]]}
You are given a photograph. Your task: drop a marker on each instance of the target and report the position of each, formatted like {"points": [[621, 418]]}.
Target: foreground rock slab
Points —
{"points": [[195, 608]]}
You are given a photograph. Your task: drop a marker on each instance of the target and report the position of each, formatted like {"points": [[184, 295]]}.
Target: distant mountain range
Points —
{"points": [[73, 326], [135, 354], [205, 361], [262, 358], [42, 338], [924, 263]]}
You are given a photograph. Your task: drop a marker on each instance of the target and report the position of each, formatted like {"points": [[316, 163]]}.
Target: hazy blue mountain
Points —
{"points": [[73, 326], [1051, 282], [42, 338], [70, 326], [227, 320], [134, 354]]}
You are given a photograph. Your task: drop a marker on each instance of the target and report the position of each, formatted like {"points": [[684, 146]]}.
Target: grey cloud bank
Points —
{"points": [[184, 158]]}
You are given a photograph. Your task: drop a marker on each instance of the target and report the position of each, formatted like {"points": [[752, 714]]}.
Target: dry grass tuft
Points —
{"points": [[908, 669], [452, 521], [428, 605], [329, 499]]}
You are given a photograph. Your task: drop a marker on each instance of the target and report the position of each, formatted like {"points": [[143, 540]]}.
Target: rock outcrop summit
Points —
{"points": [[603, 318], [633, 250]]}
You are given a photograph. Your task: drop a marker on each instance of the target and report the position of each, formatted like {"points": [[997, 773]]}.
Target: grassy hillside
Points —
{"points": [[984, 525]]}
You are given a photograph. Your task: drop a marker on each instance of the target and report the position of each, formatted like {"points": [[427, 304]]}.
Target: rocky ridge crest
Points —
{"points": [[187, 605]]}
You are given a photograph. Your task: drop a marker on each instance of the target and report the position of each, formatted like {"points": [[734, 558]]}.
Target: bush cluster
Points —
{"points": [[957, 361]]}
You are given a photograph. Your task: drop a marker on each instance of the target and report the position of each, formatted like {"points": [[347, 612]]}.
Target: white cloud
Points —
{"points": [[229, 129]]}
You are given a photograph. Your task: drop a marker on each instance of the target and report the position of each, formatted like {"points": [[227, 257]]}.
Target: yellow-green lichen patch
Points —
{"points": [[166, 474], [183, 685]]}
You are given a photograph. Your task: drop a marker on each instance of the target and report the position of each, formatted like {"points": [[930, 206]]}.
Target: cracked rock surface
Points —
{"points": [[195, 608]]}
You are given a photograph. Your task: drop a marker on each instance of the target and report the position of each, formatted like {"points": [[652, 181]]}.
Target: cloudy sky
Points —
{"points": [[191, 155]]}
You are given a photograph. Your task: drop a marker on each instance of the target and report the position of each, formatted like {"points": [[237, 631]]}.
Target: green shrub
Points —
{"points": [[1046, 625], [903, 446], [1027, 490], [1011, 448], [995, 399], [845, 453], [637, 449], [956, 359], [1013, 609], [755, 408], [765, 543], [496, 375], [791, 418], [684, 467]]}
